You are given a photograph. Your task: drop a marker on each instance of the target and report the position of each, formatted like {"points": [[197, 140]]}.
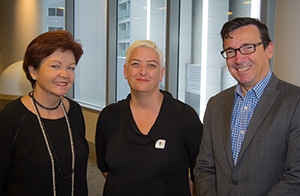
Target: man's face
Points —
{"points": [[248, 69]]}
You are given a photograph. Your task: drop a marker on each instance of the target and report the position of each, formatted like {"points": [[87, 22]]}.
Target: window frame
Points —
{"points": [[172, 42]]}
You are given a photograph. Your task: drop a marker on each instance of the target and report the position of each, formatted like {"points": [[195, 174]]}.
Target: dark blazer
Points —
{"points": [[269, 160]]}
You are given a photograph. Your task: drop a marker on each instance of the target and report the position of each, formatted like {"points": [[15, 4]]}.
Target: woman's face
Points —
{"points": [[143, 72], [55, 75]]}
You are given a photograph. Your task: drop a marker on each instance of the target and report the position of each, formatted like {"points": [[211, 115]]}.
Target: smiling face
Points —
{"points": [[248, 69], [55, 75], [143, 71]]}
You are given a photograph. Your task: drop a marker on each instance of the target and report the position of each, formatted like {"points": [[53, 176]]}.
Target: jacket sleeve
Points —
{"points": [[289, 182]]}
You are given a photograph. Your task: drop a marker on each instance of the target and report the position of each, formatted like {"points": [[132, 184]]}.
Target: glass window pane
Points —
{"points": [[51, 11], [138, 19], [52, 21], [202, 70], [90, 29], [60, 12], [51, 28]]}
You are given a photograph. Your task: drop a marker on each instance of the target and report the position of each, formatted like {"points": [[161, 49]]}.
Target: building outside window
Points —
{"points": [[54, 15], [138, 19], [202, 71]]}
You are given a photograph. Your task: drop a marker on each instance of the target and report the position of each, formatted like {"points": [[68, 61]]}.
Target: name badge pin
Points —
{"points": [[160, 144]]}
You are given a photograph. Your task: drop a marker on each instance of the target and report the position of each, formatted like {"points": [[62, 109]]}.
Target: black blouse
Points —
{"points": [[154, 164], [25, 167]]}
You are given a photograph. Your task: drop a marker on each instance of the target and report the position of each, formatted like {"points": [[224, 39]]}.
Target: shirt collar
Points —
{"points": [[258, 89]]}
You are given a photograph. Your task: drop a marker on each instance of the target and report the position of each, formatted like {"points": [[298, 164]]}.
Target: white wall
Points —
{"points": [[287, 41]]}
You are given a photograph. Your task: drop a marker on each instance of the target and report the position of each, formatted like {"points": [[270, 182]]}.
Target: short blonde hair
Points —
{"points": [[146, 44]]}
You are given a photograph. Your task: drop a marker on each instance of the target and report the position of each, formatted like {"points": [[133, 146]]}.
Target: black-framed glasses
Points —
{"points": [[245, 49]]}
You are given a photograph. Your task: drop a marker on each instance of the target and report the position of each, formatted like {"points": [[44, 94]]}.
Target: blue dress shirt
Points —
{"points": [[243, 110]]}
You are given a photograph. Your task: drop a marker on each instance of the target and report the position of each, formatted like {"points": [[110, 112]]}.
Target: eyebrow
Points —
{"points": [[58, 61], [134, 60], [238, 47], [152, 60]]}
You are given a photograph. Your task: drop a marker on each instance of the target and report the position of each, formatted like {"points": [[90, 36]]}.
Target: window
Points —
{"points": [[55, 28], [138, 19], [202, 70], [54, 18], [90, 29], [56, 11], [51, 12], [59, 12]]}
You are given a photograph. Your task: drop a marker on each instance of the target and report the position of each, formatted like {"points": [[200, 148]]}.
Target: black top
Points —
{"points": [[25, 166], [154, 164]]}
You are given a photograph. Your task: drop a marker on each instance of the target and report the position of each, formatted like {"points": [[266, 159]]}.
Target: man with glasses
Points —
{"points": [[251, 132]]}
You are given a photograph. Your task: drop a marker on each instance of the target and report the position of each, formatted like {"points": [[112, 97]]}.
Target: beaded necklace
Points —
{"points": [[50, 148]]}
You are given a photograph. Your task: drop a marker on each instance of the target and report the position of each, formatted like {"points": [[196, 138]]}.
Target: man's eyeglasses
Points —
{"points": [[245, 49]]}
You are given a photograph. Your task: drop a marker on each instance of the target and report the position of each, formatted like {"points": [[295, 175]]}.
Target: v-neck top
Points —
{"points": [[153, 164]]}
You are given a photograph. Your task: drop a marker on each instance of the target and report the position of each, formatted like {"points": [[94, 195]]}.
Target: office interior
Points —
{"points": [[20, 22]]}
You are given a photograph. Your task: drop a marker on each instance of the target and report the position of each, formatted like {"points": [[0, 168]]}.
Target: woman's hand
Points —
{"points": [[192, 187], [104, 174]]}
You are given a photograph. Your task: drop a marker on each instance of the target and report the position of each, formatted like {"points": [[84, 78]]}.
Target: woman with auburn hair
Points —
{"points": [[43, 149]]}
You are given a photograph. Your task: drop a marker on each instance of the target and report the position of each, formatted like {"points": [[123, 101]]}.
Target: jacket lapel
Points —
{"points": [[227, 129], [266, 101]]}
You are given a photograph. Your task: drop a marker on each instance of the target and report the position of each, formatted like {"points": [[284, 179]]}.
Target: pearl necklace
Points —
{"points": [[49, 147]]}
